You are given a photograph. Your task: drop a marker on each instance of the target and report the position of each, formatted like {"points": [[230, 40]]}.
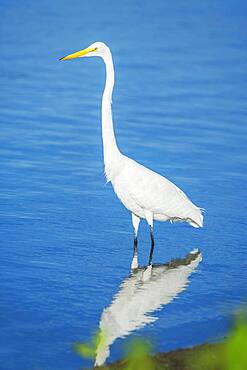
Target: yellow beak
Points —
{"points": [[79, 54]]}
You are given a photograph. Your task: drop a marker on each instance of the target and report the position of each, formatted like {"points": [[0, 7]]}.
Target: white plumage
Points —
{"points": [[145, 193], [141, 189]]}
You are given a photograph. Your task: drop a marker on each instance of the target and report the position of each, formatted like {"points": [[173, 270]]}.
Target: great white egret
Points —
{"points": [[144, 192]]}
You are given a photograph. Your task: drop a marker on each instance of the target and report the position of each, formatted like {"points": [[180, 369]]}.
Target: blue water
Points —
{"points": [[179, 107]]}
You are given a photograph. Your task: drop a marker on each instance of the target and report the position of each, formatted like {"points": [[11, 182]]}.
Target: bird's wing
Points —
{"points": [[156, 193]]}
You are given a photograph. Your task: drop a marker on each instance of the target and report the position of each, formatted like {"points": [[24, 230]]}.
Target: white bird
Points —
{"points": [[145, 193]]}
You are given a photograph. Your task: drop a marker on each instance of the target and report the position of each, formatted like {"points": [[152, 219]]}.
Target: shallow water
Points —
{"points": [[179, 107]]}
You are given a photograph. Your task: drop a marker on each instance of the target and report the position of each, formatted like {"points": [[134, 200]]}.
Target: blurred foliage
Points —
{"points": [[210, 358], [236, 345], [138, 356], [88, 350], [228, 355]]}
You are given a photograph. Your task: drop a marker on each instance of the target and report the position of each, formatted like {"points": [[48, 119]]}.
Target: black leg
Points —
{"points": [[152, 246], [135, 245]]}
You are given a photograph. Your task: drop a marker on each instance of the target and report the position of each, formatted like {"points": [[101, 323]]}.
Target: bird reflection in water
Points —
{"points": [[141, 294]]}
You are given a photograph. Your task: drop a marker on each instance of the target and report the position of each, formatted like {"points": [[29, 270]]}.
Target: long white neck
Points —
{"points": [[111, 151]]}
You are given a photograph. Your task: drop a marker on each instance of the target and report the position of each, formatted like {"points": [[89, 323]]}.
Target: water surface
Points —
{"points": [[179, 107]]}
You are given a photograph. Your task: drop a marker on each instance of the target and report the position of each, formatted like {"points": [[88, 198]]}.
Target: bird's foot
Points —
{"points": [[134, 263], [147, 273]]}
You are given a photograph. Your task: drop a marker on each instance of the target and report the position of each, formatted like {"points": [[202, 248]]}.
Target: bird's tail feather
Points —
{"points": [[197, 220]]}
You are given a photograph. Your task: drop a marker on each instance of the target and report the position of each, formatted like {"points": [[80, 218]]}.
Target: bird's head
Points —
{"points": [[97, 49]]}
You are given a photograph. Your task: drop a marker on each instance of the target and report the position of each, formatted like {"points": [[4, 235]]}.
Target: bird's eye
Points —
{"points": [[94, 49]]}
